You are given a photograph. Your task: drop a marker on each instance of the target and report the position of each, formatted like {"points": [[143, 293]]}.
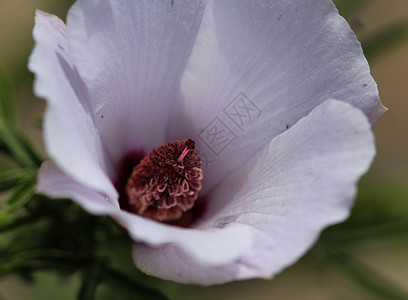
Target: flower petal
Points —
{"points": [[54, 183], [280, 59], [303, 181], [213, 246], [210, 246], [71, 139], [132, 55]]}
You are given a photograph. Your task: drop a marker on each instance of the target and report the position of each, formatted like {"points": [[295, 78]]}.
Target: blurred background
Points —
{"points": [[373, 261]]}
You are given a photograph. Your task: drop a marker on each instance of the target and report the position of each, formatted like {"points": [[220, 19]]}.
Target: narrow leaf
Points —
{"points": [[15, 147], [10, 222], [19, 196], [10, 178], [7, 103], [12, 140], [29, 148]]}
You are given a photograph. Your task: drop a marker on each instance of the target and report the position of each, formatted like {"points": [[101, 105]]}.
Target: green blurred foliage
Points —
{"points": [[346, 7], [92, 255], [387, 38]]}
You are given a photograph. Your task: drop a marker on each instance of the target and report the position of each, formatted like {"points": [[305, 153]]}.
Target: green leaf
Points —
{"points": [[386, 39], [19, 196], [10, 178], [12, 141], [14, 147], [18, 146], [29, 148], [7, 101], [10, 222]]}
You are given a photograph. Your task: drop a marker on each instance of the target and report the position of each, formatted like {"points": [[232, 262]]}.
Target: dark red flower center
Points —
{"points": [[166, 182]]}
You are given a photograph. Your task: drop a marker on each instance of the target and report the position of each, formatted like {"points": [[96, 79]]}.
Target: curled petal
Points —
{"points": [[213, 246], [259, 67], [132, 55], [71, 138], [303, 181]]}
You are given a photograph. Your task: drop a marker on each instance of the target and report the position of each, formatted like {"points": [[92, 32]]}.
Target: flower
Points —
{"points": [[253, 83]]}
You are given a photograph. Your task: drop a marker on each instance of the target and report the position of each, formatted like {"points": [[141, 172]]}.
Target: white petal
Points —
{"points": [[54, 183], [212, 246], [71, 139], [132, 55], [303, 181], [286, 57]]}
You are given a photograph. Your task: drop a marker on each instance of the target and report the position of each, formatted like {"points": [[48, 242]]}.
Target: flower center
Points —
{"points": [[166, 182]]}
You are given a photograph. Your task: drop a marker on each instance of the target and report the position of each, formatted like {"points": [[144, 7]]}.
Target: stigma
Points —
{"points": [[166, 182]]}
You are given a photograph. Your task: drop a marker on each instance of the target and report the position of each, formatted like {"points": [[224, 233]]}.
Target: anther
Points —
{"points": [[166, 182]]}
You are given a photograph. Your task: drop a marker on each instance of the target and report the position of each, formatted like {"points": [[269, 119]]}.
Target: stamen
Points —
{"points": [[190, 145], [183, 154], [166, 182]]}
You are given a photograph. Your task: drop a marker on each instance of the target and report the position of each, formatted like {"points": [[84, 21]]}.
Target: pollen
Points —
{"points": [[166, 182]]}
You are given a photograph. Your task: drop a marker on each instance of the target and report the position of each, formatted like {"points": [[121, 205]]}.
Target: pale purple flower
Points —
{"points": [[252, 82]]}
